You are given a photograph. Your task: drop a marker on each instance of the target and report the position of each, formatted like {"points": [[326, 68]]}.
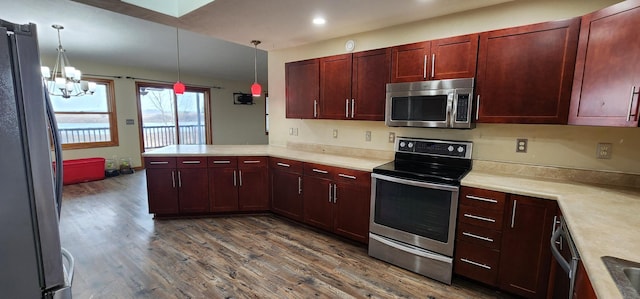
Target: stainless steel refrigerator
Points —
{"points": [[32, 262]]}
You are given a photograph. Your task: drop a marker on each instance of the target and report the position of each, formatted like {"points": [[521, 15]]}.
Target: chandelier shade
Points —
{"points": [[65, 80], [256, 89]]}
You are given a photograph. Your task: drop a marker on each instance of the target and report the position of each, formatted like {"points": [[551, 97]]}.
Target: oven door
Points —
{"points": [[417, 213]]}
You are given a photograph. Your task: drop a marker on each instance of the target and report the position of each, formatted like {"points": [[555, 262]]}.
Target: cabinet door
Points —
{"points": [[253, 188], [525, 255], [583, 288], [223, 189], [371, 73], [409, 63], [454, 57], [302, 88], [193, 186], [335, 87], [162, 191], [607, 72], [524, 73], [317, 202], [351, 211], [286, 194]]}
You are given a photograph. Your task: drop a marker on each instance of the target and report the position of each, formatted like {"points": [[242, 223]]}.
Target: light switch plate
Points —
{"points": [[367, 136]]}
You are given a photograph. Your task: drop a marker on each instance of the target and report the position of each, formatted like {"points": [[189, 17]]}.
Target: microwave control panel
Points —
{"points": [[462, 108]]}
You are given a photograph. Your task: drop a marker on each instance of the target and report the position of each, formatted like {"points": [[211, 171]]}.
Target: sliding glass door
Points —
{"points": [[168, 119]]}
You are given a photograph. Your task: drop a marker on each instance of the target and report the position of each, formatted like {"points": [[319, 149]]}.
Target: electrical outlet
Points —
{"points": [[335, 133], [521, 145], [367, 136], [295, 131], [603, 150], [392, 137]]}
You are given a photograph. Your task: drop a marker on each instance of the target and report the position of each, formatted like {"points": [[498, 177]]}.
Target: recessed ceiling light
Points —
{"points": [[319, 21]]}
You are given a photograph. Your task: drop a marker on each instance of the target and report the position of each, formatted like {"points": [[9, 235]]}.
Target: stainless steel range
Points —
{"points": [[414, 202]]}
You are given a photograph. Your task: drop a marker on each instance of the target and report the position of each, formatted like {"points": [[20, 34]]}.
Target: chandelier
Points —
{"points": [[65, 80]]}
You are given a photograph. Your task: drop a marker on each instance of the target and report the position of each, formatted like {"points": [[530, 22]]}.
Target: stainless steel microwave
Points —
{"points": [[431, 104]]}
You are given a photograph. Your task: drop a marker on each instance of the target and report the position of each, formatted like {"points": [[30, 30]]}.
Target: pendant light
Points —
{"points": [[256, 89], [178, 87]]}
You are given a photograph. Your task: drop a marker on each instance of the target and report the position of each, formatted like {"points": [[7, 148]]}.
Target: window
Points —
{"points": [[167, 118], [88, 121]]}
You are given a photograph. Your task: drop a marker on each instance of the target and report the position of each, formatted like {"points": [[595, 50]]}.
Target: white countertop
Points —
{"points": [[351, 162], [603, 220]]}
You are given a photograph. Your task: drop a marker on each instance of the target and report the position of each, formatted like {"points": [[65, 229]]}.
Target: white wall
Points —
{"points": [[552, 145], [232, 124]]}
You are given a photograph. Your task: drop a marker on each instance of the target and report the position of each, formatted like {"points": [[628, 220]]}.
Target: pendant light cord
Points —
{"points": [[255, 59], [178, 51]]}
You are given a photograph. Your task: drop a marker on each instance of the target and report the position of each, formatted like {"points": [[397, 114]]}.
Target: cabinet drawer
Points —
{"points": [[159, 162], [490, 219], [318, 170], [285, 165], [350, 176], [192, 162], [253, 161], [221, 161], [476, 262], [479, 235], [481, 198]]}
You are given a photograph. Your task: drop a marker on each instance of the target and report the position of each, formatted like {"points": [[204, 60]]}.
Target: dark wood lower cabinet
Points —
{"points": [[330, 198], [161, 191], [583, 288], [525, 256], [351, 213], [515, 255], [318, 205], [223, 190], [193, 190]]}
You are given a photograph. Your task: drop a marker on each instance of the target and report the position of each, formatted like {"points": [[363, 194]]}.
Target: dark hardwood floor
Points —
{"points": [[122, 252]]}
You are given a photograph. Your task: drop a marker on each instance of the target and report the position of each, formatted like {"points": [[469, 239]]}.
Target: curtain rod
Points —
{"points": [[162, 81]]}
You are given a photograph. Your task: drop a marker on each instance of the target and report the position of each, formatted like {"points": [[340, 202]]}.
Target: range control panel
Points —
{"points": [[447, 148]]}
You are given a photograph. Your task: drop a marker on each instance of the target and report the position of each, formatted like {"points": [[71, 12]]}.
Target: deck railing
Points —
{"points": [[154, 136]]}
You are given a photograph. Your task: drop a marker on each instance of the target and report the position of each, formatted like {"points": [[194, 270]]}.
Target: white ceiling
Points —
{"points": [[218, 42]]}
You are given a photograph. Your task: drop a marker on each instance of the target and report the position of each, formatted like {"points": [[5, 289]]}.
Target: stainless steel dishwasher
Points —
{"points": [[566, 255]]}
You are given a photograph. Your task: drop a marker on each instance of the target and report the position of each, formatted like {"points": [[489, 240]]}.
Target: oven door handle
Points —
{"points": [[421, 253], [415, 183]]}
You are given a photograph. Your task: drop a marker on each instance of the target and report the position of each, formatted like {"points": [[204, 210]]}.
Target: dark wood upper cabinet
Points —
{"points": [[446, 58], [409, 63], [369, 78], [607, 72], [454, 57], [302, 88], [525, 73], [335, 86]]}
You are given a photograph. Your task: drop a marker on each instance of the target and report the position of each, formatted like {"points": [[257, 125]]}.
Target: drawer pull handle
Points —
{"points": [[190, 162], [319, 171], [158, 162], [480, 218], [222, 162], [475, 263], [283, 164], [482, 199], [477, 237], [346, 176], [251, 162]]}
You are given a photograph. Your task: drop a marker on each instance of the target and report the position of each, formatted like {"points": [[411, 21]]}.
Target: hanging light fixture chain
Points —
{"points": [[178, 51]]}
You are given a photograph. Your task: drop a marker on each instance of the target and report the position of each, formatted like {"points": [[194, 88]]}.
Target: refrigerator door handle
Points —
{"points": [[57, 149]]}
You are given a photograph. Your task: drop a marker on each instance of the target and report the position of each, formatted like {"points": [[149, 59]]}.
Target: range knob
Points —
{"points": [[460, 149], [450, 148], [402, 144], [410, 144]]}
